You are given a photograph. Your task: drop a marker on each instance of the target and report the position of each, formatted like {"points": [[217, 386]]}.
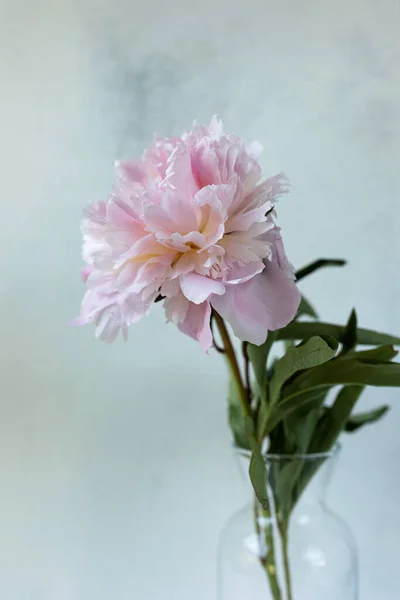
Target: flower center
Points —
{"points": [[192, 246]]}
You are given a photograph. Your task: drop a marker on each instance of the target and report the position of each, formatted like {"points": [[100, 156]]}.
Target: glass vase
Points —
{"points": [[293, 548]]}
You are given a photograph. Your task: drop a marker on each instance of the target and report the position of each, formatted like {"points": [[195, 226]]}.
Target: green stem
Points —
{"points": [[283, 528], [269, 562], [247, 370], [263, 413], [233, 364]]}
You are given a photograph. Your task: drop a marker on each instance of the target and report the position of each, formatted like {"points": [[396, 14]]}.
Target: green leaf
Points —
{"points": [[376, 355], [257, 468], [356, 421], [258, 356], [235, 415], [349, 339], [309, 469], [318, 264], [314, 352], [346, 371], [282, 475], [287, 406], [300, 330], [306, 308], [258, 478], [305, 387], [335, 418], [301, 423], [325, 435]]}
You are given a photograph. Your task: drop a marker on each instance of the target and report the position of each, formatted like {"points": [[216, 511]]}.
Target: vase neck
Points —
{"points": [[298, 481], [315, 492]]}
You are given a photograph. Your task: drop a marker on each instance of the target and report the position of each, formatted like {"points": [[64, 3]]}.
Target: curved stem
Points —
{"points": [[233, 363], [216, 346], [283, 528], [247, 369]]}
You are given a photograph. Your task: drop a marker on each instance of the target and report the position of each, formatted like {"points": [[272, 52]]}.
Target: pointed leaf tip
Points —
{"points": [[319, 264]]}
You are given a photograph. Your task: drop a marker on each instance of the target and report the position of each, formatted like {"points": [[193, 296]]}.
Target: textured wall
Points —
{"points": [[115, 468]]}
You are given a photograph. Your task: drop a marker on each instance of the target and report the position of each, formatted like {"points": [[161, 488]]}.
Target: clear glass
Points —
{"points": [[298, 549]]}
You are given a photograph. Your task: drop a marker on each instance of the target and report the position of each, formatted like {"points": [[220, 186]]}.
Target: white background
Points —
{"points": [[116, 472]]}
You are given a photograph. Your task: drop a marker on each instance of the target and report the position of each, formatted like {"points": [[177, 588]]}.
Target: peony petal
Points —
{"points": [[96, 212], [108, 324], [157, 220], [156, 156], [244, 220], [278, 256], [215, 197], [184, 264], [274, 187], [145, 248], [198, 288], [175, 214], [85, 272], [120, 216], [254, 149], [197, 324], [176, 308], [266, 302], [205, 164], [77, 322], [170, 288], [193, 240], [242, 273], [242, 249], [135, 307], [92, 304], [180, 211], [212, 201], [130, 171], [179, 173], [215, 127], [126, 275]]}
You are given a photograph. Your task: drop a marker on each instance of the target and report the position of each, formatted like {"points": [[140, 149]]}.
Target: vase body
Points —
{"points": [[295, 548]]}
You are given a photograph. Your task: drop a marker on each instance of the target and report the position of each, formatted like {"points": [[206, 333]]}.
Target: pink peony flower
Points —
{"points": [[192, 222]]}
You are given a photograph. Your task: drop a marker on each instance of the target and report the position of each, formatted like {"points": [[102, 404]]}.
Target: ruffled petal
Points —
{"points": [[179, 174], [197, 324], [198, 288], [242, 273], [176, 308], [174, 214], [108, 324], [266, 302]]}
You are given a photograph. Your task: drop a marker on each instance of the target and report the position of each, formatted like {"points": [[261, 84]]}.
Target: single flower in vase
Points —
{"points": [[193, 224]]}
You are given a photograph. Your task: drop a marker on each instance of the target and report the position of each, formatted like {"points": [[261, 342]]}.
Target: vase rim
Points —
{"points": [[296, 456]]}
